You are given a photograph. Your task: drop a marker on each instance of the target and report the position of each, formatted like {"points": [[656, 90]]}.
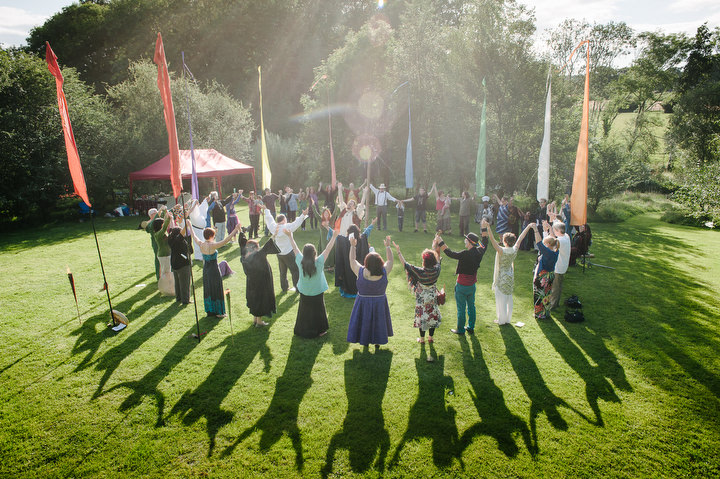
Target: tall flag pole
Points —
{"points": [[195, 193], [266, 174], [163, 83], [333, 176], [76, 172], [482, 150], [194, 188], [408, 152], [543, 176], [578, 199]]}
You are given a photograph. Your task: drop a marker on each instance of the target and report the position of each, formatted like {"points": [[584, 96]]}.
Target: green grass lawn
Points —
{"points": [[634, 391]]}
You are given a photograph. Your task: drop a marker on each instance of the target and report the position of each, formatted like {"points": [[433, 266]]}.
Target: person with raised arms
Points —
{"points": [[311, 320], [423, 283], [286, 256], [468, 264], [370, 321], [259, 287], [213, 291], [504, 273]]}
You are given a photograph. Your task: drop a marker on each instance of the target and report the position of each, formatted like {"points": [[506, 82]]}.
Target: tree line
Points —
{"points": [[356, 57]]}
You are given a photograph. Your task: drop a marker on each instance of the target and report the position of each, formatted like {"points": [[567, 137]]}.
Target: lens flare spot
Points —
{"points": [[371, 105], [366, 148]]}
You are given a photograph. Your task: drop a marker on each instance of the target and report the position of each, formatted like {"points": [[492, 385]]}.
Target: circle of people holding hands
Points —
{"points": [[360, 272]]}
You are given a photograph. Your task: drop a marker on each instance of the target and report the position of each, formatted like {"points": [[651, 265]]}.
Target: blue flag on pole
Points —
{"points": [[408, 155]]}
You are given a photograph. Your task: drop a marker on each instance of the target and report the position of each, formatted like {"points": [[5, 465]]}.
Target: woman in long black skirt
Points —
{"points": [[259, 288], [180, 263], [311, 319]]}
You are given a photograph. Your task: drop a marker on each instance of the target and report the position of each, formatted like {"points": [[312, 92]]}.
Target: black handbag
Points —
{"points": [[574, 316]]}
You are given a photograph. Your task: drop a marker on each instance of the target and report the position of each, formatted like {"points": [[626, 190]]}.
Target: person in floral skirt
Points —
{"points": [[423, 283]]}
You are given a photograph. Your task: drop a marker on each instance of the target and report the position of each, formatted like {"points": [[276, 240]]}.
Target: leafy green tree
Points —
{"points": [[696, 118], [218, 121], [34, 161]]}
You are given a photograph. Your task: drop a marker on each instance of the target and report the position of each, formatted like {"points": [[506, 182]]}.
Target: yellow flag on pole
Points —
{"points": [[266, 174]]}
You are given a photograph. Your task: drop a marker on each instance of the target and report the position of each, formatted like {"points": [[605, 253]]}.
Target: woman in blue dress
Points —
{"points": [[213, 291], [370, 319]]}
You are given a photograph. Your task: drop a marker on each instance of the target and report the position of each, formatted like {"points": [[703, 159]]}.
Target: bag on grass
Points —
{"points": [[573, 302], [574, 316]]}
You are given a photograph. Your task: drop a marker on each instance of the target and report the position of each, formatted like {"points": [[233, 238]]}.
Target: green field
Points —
{"points": [[634, 391]]}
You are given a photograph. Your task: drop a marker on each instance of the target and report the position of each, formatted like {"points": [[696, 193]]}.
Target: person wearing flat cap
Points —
{"points": [[381, 199], [466, 271]]}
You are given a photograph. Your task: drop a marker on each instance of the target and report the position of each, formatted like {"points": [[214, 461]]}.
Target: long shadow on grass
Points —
{"points": [[281, 417], [89, 339], [339, 310], [206, 399], [542, 399], [663, 305], [111, 360], [148, 384], [429, 416], [363, 434], [596, 384], [496, 420]]}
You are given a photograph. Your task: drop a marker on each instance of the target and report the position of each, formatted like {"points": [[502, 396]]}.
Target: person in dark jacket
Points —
{"points": [[468, 264]]}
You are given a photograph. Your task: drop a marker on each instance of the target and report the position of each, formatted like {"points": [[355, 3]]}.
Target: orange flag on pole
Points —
{"points": [[163, 83], [76, 171], [578, 199]]}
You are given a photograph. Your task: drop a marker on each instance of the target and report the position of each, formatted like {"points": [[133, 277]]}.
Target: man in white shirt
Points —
{"points": [[381, 199], [286, 257], [563, 261]]}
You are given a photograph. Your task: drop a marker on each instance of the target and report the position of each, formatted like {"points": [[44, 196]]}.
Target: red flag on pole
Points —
{"points": [[163, 82], [76, 171]]}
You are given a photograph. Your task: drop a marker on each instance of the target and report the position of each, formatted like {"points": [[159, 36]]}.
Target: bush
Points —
{"points": [[626, 205], [681, 216]]}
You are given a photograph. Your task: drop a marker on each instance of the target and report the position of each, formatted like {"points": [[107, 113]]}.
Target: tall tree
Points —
{"points": [[33, 166], [696, 119]]}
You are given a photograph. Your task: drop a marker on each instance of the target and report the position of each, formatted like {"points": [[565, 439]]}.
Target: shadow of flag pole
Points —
{"points": [[229, 309]]}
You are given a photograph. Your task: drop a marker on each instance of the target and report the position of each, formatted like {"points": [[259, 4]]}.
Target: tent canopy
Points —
{"points": [[208, 163]]}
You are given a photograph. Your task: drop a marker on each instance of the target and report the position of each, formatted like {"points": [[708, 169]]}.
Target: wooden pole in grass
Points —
{"points": [[229, 308]]}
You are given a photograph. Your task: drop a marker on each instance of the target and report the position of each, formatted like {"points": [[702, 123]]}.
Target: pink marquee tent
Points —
{"points": [[208, 163]]}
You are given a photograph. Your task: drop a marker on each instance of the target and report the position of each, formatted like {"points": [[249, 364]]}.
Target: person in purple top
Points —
{"points": [[370, 318]]}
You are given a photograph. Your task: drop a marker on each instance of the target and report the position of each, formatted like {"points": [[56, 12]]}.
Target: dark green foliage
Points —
{"points": [[696, 118], [34, 160]]}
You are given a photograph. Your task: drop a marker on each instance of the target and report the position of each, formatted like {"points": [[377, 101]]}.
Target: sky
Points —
{"points": [[17, 17]]}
